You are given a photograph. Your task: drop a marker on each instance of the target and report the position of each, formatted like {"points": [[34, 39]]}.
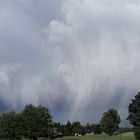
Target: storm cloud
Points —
{"points": [[79, 58]]}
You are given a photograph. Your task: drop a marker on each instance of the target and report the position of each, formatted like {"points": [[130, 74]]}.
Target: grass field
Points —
{"points": [[124, 136]]}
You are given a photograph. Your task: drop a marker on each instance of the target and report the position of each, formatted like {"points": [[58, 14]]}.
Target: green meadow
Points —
{"points": [[124, 136]]}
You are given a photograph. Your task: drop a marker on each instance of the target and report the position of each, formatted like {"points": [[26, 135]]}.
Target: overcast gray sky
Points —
{"points": [[78, 57]]}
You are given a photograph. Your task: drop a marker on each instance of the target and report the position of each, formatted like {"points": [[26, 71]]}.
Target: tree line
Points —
{"points": [[32, 122], [110, 121], [36, 121], [75, 128], [109, 124]]}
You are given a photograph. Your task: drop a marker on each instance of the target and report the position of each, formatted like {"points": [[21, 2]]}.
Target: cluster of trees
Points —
{"points": [[111, 119], [70, 129], [109, 124], [36, 121], [32, 122]]}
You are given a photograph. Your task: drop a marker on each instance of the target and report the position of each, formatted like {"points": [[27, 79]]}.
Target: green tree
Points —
{"points": [[97, 129], [19, 128], [76, 127], [83, 130], [37, 122], [44, 121], [52, 132], [68, 128], [58, 127], [88, 128], [30, 128], [64, 130], [8, 125], [110, 121], [134, 115]]}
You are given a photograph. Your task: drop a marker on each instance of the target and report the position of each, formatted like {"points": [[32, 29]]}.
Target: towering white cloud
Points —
{"points": [[83, 54]]}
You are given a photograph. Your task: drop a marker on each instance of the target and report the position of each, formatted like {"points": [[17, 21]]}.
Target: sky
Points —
{"points": [[77, 57]]}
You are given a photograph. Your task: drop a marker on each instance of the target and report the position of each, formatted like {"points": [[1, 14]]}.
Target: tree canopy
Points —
{"points": [[134, 115], [32, 122], [110, 121], [37, 121]]}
